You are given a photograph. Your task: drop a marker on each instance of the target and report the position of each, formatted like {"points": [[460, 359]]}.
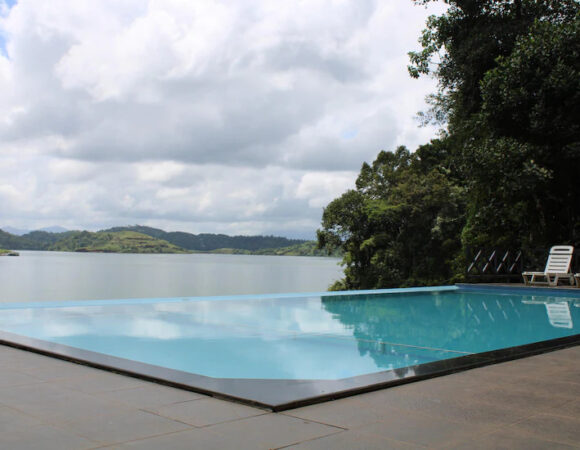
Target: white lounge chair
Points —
{"points": [[558, 266]]}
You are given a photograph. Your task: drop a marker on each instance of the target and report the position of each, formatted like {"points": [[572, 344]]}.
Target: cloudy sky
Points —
{"points": [[238, 117]]}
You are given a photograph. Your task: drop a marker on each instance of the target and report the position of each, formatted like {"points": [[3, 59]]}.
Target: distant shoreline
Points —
{"points": [[146, 240], [232, 252]]}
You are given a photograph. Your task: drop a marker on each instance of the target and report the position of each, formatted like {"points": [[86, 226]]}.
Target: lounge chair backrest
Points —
{"points": [[560, 259]]}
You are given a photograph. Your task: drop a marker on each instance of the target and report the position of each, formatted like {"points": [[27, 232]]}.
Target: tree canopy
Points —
{"points": [[505, 169], [399, 226]]}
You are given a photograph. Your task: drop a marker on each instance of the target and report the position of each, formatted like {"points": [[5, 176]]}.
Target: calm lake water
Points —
{"points": [[54, 276]]}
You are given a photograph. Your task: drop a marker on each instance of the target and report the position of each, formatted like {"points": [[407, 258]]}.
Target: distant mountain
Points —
{"points": [[22, 232], [53, 229], [15, 231], [206, 242]]}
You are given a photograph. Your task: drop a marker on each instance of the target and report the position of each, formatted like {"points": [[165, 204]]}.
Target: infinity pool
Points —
{"points": [[282, 350]]}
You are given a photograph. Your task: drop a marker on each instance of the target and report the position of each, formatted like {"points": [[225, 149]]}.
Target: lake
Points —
{"points": [[54, 276]]}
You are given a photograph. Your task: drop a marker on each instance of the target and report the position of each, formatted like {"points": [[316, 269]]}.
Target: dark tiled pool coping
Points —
{"points": [[280, 395]]}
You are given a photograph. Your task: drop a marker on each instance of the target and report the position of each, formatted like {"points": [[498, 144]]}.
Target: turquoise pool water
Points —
{"points": [[310, 336]]}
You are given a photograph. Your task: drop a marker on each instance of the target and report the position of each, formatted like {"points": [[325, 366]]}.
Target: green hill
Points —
{"points": [[35, 240], [8, 240], [207, 242], [117, 242]]}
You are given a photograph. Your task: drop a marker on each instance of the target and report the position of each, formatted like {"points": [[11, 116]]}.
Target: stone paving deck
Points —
{"points": [[530, 403]]}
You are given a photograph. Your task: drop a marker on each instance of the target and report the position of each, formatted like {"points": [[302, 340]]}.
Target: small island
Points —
{"points": [[4, 252]]}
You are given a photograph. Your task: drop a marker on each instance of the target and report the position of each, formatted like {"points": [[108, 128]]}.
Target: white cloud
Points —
{"points": [[202, 116], [319, 188]]}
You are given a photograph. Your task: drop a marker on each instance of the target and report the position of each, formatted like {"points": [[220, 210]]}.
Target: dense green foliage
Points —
{"points": [[47, 238], [20, 242], [119, 242], [530, 146], [505, 170], [400, 226], [35, 240], [308, 248], [205, 242], [509, 83]]}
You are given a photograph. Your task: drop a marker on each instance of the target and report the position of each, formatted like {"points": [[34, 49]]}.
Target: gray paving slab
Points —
{"points": [[564, 430], [508, 439], [151, 396], [43, 437], [455, 408], [14, 420], [45, 368], [16, 378], [196, 439], [553, 386], [273, 430], [352, 440], [569, 409], [571, 375], [524, 397], [262, 432], [451, 388], [98, 381], [122, 427], [347, 413], [417, 429], [55, 404], [207, 411], [528, 367]]}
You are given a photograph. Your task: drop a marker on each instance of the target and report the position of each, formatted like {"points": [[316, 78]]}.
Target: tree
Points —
{"points": [[533, 94], [401, 224], [462, 45], [509, 93], [531, 146]]}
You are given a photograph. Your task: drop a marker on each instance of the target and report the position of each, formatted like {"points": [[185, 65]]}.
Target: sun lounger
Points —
{"points": [[557, 267]]}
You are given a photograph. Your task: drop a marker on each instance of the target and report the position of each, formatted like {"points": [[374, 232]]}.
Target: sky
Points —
{"points": [[236, 117]]}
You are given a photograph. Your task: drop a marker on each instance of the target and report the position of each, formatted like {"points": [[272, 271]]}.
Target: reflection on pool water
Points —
{"points": [[316, 337]]}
